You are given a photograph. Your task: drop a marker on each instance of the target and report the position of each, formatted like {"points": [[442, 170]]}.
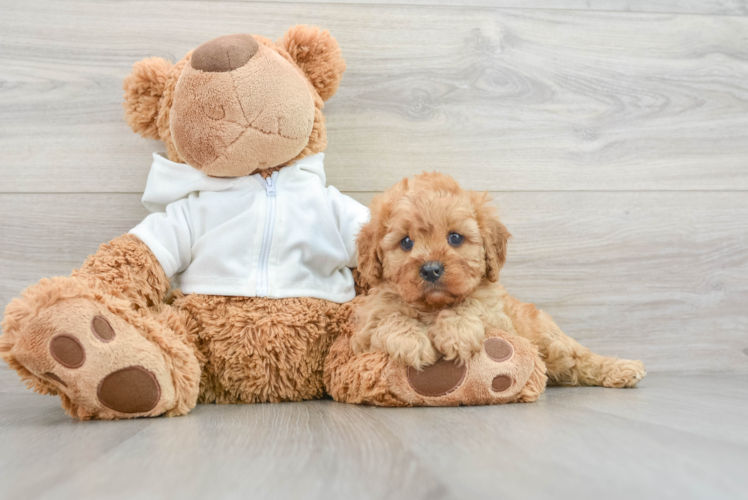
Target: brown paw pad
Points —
{"points": [[67, 350], [498, 349], [501, 383], [439, 379], [129, 390], [102, 329]]}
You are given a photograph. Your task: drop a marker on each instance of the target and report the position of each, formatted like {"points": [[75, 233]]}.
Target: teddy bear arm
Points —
{"points": [[126, 268]]}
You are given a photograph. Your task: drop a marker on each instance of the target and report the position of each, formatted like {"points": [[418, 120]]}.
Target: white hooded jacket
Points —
{"points": [[289, 236]]}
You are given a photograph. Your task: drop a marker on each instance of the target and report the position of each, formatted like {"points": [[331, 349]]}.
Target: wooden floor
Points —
{"points": [[677, 436]]}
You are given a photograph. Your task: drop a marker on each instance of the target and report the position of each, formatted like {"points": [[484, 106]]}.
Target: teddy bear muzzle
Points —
{"points": [[225, 53], [239, 107]]}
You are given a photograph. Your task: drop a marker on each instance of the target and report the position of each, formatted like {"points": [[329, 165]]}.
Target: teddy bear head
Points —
{"points": [[238, 104]]}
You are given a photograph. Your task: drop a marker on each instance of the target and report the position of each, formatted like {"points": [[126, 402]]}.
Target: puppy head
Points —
{"points": [[432, 241]]}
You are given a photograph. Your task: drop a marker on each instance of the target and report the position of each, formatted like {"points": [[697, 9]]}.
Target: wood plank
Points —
{"points": [[583, 452], [714, 7], [297, 450], [586, 443], [707, 404], [505, 99], [657, 276], [43, 446]]}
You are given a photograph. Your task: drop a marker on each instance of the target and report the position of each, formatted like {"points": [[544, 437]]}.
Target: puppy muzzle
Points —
{"points": [[432, 271]]}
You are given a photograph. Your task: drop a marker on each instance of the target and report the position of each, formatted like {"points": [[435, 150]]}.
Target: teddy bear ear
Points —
{"points": [[318, 55], [143, 88]]}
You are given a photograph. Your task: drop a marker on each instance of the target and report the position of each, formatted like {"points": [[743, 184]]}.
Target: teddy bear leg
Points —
{"points": [[506, 369], [261, 350], [93, 338], [126, 268], [103, 359]]}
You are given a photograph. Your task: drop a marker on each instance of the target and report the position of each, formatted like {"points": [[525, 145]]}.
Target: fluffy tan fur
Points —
{"points": [[27, 328], [416, 322], [149, 105], [196, 347], [144, 87], [318, 55], [261, 350]]}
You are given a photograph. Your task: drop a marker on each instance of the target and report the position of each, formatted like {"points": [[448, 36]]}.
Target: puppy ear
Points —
{"points": [[369, 257], [495, 235], [370, 253], [318, 55], [143, 88]]}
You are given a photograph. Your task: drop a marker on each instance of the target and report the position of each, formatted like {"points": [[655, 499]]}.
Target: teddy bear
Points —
{"points": [[234, 287]]}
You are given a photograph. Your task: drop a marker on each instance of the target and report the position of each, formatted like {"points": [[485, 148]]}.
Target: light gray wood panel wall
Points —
{"points": [[719, 7], [505, 99], [658, 276], [616, 144]]}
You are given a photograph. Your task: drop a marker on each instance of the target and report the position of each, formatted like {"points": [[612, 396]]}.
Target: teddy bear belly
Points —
{"points": [[262, 350]]}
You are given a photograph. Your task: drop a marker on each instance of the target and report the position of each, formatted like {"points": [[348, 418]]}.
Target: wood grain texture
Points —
{"points": [[505, 99], [661, 276], [714, 7], [676, 436], [614, 135]]}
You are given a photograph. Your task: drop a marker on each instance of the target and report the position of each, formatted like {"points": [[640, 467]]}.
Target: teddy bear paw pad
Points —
{"points": [[436, 380], [498, 349], [98, 360], [129, 390], [500, 383], [67, 350], [102, 329]]}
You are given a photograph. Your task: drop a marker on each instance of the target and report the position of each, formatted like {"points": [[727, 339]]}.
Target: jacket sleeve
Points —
{"points": [[169, 235], [350, 216]]}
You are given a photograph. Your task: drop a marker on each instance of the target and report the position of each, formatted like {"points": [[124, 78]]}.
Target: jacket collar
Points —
{"points": [[169, 181]]}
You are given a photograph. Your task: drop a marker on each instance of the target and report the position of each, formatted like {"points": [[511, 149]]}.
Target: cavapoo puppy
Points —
{"points": [[431, 255]]}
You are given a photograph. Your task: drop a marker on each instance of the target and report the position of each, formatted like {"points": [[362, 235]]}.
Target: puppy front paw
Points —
{"points": [[408, 344], [456, 336]]}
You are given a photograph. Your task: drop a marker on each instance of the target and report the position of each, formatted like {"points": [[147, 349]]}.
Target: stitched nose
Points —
{"points": [[225, 53], [432, 271]]}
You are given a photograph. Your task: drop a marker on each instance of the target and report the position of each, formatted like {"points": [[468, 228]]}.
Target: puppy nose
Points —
{"points": [[225, 53], [432, 271]]}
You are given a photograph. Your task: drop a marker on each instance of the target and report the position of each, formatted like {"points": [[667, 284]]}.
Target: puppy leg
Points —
{"points": [[404, 339], [570, 363], [567, 361], [457, 333]]}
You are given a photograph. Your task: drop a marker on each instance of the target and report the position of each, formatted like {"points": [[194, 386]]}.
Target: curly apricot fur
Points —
{"points": [[402, 310]]}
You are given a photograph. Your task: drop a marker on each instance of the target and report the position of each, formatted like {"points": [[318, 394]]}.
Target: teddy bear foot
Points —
{"points": [[100, 364], [507, 369], [497, 374]]}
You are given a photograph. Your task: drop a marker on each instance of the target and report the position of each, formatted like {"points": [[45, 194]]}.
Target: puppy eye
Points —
{"points": [[455, 239], [406, 244]]}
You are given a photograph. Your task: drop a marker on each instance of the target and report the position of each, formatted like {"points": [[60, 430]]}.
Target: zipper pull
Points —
{"points": [[269, 186]]}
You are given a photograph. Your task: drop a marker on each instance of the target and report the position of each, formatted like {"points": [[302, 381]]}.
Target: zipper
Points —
{"points": [[270, 185]]}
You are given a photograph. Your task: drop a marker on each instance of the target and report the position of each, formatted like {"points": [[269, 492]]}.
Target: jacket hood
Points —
{"points": [[169, 181]]}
